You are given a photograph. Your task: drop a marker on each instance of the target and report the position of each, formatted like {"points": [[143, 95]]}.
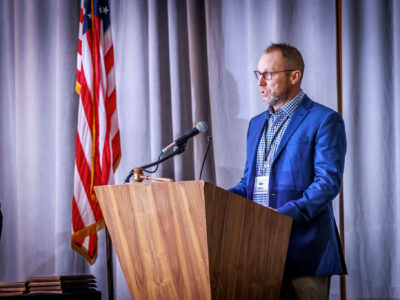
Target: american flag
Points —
{"points": [[98, 149]]}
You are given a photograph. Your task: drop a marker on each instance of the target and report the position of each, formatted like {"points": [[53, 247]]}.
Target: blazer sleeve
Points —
{"points": [[241, 188], [329, 154]]}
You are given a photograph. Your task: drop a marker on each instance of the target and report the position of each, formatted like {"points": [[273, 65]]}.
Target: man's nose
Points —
{"points": [[262, 81]]}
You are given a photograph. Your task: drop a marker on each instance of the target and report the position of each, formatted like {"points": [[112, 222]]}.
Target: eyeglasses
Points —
{"points": [[268, 75]]}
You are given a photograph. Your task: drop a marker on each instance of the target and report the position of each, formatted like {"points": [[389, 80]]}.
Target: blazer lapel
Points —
{"points": [[254, 140], [298, 116]]}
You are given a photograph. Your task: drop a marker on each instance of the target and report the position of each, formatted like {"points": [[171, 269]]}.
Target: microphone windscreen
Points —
{"points": [[202, 126]]}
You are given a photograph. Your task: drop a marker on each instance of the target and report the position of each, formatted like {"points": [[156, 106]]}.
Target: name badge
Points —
{"points": [[261, 185]]}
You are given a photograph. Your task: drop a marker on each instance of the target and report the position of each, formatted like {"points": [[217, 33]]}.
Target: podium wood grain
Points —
{"points": [[193, 240]]}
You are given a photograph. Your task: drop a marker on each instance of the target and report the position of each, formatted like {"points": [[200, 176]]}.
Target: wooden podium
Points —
{"points": [[193, 240]]}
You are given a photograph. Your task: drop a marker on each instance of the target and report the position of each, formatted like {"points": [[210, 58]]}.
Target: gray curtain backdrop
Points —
{"points": [[371, 77], [179, 62]]}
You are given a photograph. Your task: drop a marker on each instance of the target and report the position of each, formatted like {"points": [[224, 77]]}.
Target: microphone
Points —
{"points": [[201, 127]]}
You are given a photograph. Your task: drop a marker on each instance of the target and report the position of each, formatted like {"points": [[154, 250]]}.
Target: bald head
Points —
{"points": [[292, 57]]}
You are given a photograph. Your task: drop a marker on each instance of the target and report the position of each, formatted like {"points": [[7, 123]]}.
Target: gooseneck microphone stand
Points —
{"points": [[137, 173]]}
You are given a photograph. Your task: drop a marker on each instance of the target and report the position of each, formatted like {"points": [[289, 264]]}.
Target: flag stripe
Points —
{"points": [[107, 41], [77, 222], [81, 17], [82, 178], [116, 148], [110, 82], [87, 65], [84, 132], [109, 59]]}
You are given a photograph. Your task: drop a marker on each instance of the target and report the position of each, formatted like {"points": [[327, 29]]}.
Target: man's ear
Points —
{"points": [[295, 77]]}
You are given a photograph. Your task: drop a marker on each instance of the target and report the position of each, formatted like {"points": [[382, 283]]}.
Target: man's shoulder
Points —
{"points": [[317, 107], [257, 122], [319, 113], [261, 116]]}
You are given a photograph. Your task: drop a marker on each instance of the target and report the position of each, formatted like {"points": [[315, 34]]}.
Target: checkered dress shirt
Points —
{"points": [[276, 126]]}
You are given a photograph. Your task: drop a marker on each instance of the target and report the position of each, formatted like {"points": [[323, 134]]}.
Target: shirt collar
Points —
{"points": [[289, 107]]}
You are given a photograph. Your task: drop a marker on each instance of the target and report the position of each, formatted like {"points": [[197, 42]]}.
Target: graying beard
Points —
{"points": [[277, 100]]}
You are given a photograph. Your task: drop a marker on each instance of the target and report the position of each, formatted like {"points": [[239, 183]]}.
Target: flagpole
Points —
{"points": [[110, 273], [340, 110]]}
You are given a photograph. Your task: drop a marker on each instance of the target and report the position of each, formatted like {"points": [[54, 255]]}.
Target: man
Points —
{"points": [[295, 161]]}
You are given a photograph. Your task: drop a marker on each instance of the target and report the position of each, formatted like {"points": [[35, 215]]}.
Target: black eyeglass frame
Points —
{"points": [[258, 74]]}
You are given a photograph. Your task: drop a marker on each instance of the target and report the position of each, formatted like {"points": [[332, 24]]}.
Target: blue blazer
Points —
{"points": [[306, 175]]}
